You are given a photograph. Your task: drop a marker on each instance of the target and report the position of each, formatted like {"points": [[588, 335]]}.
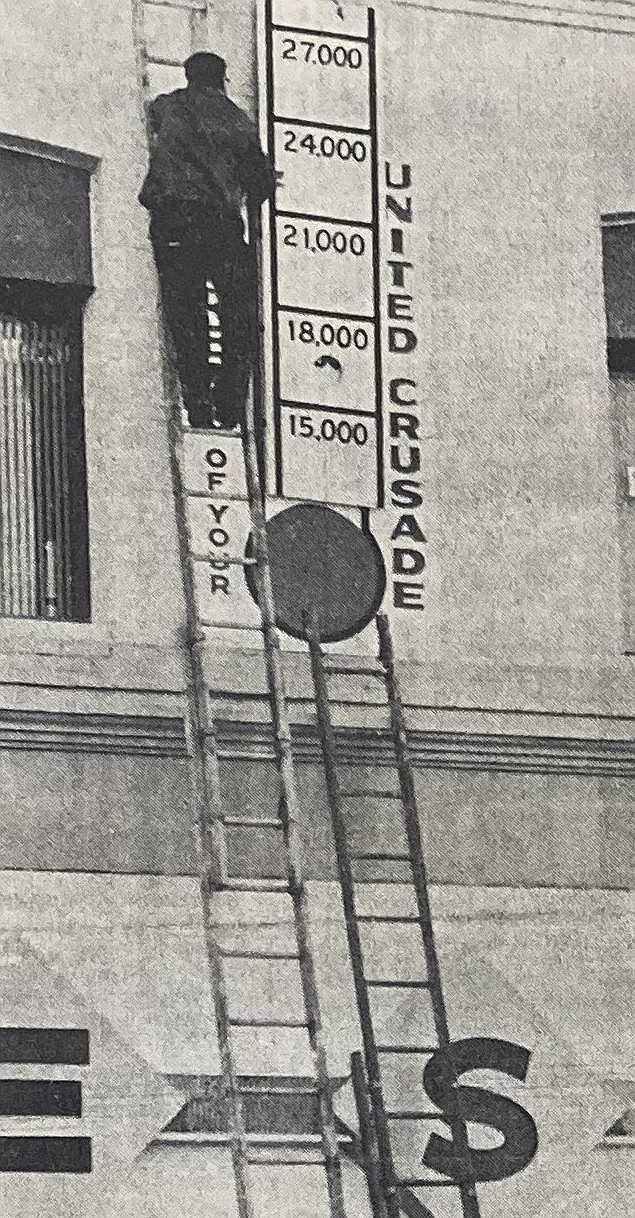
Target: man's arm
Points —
{"points": [[261, 183], [257, 175], [155, 117]]}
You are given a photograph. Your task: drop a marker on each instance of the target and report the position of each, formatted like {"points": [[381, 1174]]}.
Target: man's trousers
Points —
{"points": [[190, 248]]}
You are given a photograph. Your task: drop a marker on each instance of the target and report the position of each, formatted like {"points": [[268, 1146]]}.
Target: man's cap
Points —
{"points": [[205, 67]]}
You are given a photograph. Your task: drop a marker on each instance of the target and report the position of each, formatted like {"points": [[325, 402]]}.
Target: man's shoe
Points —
{"points": [[233, 428], [201, 415], [224, 419]]}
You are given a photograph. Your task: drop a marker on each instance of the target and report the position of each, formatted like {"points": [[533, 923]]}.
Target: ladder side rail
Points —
{"points": [[254, 237], [354, 1151], [347, 888], [405, 773], [289, 808], [211, 842], [212, 873], [368, 1136]]}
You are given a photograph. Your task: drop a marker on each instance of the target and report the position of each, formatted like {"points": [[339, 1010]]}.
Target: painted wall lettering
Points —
{"points": [[476, 1105], [408, 536]]}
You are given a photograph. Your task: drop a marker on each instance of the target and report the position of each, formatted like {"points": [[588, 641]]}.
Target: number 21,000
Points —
{"points": [[320, 240]]}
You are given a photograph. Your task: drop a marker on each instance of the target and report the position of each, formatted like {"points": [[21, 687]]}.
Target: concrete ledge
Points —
{"points": [[444, 750], [144, 735], [584, 15]]}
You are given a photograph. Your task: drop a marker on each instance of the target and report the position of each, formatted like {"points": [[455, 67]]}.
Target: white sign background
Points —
{"points": [[321, 253]]}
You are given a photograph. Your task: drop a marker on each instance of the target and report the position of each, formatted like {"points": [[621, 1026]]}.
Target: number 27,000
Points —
{"points": [[321, 53]]}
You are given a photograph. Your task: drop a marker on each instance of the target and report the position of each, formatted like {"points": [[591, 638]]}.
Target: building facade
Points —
{"points": [[504, 160]]}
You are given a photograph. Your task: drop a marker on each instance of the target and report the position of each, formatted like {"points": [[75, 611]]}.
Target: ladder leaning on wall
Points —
{"points": [[216, 825], [405, 856], [390, 1196]]}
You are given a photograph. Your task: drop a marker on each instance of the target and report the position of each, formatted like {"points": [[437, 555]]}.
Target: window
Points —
{"points": [[45, 279], [618, 246]]}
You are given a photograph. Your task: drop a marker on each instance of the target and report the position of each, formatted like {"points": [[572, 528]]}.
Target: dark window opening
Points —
{"points": [[43, 504], [618, 247], [45, 279]]}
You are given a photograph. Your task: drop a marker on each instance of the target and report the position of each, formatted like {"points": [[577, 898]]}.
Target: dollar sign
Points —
{"points": [[480, 1106]]}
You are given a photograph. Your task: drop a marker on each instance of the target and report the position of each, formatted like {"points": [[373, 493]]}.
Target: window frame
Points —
{"points": [[61, 304]]}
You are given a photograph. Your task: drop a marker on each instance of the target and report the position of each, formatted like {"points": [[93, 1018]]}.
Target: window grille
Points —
{"points": [[43, 544]]}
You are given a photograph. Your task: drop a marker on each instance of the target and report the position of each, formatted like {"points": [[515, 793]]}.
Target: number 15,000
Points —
{"points": [[329, 429]]}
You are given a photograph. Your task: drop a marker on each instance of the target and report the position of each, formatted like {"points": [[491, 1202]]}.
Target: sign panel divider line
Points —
{"points": [[296, 29], [313, 311], [305, 122], [362, 414], [306, 215]]}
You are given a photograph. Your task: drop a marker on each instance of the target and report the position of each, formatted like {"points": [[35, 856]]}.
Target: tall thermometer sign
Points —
{"points": [[321, 252]]}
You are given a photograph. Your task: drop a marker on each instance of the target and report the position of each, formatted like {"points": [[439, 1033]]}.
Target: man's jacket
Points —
{"points": [[204, 150]]}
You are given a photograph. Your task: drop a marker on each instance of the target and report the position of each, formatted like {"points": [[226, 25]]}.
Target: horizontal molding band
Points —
{"points": [[164, 736], [72, 732], [443, 750], [588, 16]]}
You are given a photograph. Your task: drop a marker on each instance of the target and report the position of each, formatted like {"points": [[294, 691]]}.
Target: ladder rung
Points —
{"points": [[415, 1182], [212, 432], [252, 822], [424, 1051], [336, 670], [185, 7], [255, 885], [163, 62], [370, 794], [405, 918], [266, 1162], [239, 1022], [415, 1116], [397, 985], [237, 953], [382, 858], [272, 1087], [217, 494], [229, 626], [224, 558], [235, 753]]}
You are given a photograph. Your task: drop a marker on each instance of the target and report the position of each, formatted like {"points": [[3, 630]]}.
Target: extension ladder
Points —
{"points": [[377, 1121], [215, 824]]}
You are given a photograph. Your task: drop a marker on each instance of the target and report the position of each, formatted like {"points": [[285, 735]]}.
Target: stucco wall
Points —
{"points": [[69, 79], [551, 971], [78, 90], [518, 135]]}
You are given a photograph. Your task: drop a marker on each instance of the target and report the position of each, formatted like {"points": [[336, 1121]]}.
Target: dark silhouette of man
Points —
{"points": [[205, 162]]}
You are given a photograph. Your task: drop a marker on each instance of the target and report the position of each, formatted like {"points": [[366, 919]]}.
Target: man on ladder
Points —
{"points": [[205, 163]]}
